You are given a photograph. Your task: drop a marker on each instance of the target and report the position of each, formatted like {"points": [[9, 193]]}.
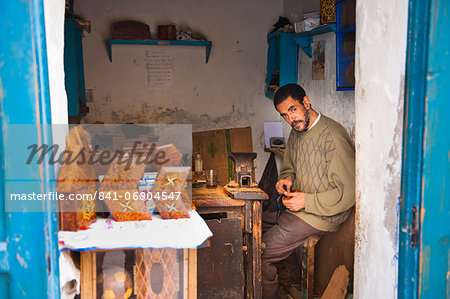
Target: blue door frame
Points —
{"points": [[28, 240], [424, 257]]}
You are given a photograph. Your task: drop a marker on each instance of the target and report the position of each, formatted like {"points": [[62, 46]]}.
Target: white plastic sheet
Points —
{"points": [[155, 233]]}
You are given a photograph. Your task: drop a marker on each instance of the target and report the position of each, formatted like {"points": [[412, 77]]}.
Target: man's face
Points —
{"points": [[294, 113]]}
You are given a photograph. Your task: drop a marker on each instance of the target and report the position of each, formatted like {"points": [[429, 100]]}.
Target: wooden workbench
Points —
{"points": [[231, 266]]}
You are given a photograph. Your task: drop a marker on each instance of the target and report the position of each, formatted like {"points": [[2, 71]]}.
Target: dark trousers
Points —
{"points": [[281, 240]]}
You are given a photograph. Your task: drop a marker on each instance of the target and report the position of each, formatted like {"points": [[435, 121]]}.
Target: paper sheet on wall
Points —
{"points": [[159, 69], [272, 129]]}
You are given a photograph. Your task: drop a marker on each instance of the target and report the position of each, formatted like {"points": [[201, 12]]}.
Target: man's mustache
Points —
{"points": [[295, 122]]}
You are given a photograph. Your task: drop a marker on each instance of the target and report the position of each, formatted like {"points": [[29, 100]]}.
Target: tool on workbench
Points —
{"points": [[242, 186], [243, 167]]}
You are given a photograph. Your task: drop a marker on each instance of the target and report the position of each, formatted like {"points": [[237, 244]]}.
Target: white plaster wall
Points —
{"points": [[380, 69], [54, 34], [227, 92], [54, 29]]}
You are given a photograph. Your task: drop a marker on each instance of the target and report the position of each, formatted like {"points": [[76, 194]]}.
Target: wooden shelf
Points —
{"points": [[206, 44]]}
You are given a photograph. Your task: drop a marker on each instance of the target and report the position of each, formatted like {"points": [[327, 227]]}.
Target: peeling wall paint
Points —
{"points": [[380, 68], [225, 93]]}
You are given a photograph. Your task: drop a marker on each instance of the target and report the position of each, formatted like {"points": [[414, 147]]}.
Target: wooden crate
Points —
{"points": [[177, 269]]}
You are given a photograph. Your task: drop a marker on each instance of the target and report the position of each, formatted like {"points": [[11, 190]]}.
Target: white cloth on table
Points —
{"points": [[156, 233]]}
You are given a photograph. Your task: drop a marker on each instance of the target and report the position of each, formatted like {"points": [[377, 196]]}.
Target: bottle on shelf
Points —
{"points": [[198, 163]]}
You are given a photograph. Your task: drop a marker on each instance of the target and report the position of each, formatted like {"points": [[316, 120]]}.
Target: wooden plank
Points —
{"points": [[213, 197], [192, 273], [232, 190], [185, 273], [253, 254], [248, 217], [295, 291], [228, 211], [220, 269], [334, 249], [241, 139], [337, 288], [213, 149], [308, 259], [304, 267], [256, 224], [88, 278], [310, 270]]}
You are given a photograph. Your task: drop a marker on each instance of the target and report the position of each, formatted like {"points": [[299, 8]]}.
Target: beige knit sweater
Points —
{"points": [[321, 163]]}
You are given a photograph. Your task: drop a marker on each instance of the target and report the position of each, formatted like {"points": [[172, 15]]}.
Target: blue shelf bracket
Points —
{"points": [[304, 39], [304, 42], [206, 44], [208, 51], [109, 51]]}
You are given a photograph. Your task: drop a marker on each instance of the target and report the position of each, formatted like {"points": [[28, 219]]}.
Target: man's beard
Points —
{"points": [[304, 122]]}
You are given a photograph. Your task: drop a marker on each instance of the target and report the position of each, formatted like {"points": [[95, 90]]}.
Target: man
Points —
{"points": [[320, 162]]}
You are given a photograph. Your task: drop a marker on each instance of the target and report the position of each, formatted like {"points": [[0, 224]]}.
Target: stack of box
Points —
{"points": [[309, 22]]}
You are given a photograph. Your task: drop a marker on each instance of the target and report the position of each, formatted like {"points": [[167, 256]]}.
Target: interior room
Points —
{"points": [[227, 92], [200, 83]]}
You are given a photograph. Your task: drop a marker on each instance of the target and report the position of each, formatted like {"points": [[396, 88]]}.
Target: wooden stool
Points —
{"points": [[307, 267]]}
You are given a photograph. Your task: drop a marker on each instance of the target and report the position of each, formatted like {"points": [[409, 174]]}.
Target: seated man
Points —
{"points": [[320, 162]]}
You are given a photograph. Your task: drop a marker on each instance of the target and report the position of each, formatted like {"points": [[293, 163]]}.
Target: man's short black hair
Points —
{"points": [[292, 90]]}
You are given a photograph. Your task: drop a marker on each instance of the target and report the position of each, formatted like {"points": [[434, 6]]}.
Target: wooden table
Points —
{"points": [[231, 266]]}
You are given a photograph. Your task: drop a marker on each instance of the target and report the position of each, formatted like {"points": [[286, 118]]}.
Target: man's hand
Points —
{"points": [[284, 182], [294, 201]]}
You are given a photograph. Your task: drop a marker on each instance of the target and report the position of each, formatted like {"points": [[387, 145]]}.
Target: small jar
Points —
{"points": [[211, 178]]}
